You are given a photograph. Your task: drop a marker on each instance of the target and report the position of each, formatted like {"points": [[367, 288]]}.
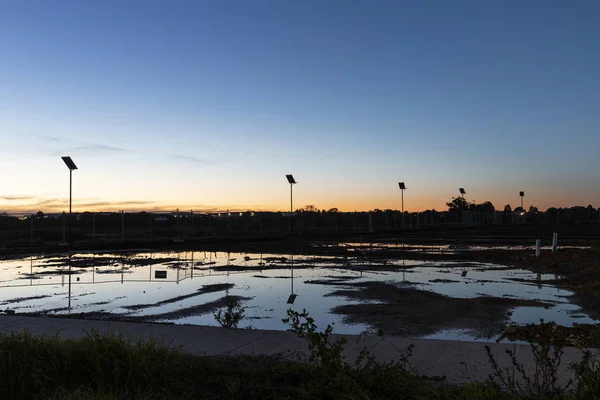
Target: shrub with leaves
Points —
{"points": [[326, 353], [322, 351], [232, 315], [543, 381]]}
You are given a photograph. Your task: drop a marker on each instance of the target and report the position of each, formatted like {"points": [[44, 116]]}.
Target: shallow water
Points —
{"points": [[112, 283], [440, 248]]}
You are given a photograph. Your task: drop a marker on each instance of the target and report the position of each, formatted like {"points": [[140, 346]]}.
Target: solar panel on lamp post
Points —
{"points": [[72, 167], [292, 182], [402, 188]]}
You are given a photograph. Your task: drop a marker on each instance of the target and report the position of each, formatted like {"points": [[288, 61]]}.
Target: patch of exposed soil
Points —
{"points": [[585, 335], [20, 299], [579, 270], [334, 281], [200, 309], [217, 287], [410, 312], [266, 267], [114, 271], [190, 311]]}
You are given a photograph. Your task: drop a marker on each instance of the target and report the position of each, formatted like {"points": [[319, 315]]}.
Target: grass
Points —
{"points": [[103, 367]]}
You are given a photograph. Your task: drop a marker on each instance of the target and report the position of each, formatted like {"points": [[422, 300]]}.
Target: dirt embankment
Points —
{"points": [[578, 270], [406, 311], [196, 310], [217, 287], [585, 335]]}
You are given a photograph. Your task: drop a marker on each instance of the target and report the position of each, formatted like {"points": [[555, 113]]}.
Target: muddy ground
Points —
{"points": [[199, 309], [399, 309], [218, 287], [403, 310]]}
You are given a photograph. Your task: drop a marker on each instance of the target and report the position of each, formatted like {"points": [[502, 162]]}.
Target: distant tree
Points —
{"points": [[458, 204], [519, 210], [487, 207], [332, 210], [39, 215], [533, 210], [507, 209], [532, 214], [309, 208]]}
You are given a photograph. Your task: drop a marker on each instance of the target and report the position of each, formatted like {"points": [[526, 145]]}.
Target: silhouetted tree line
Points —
{"points": [[40, 227]]}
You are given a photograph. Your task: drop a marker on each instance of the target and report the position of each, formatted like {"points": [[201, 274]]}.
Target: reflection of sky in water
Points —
{"points": [[117, 281], [437, 248]]}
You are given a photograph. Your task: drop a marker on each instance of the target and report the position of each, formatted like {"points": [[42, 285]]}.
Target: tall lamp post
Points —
{"points": [[462, 194], [522, 194], [292, 182], [402, 188], [72, 167]]}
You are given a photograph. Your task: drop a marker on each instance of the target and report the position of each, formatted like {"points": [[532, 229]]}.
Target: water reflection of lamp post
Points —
{"points": [[69, 261], [292, 182], [293, 296], [402, 188]]}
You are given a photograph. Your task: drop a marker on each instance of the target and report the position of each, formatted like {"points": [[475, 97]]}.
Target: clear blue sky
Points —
{"points": [[208, 104]]}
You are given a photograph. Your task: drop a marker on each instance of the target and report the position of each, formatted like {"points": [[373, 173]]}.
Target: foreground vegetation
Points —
{"points": [[113, 367]]}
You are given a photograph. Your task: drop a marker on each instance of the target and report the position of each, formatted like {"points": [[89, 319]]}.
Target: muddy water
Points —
{"points": [[186, 288]]}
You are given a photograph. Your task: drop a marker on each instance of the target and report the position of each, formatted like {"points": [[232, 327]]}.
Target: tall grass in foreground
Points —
{"points": [[108, 367], [35, 367]]}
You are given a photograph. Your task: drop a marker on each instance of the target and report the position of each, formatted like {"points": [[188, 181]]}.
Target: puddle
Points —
{"points": [[187, 287], [374, 247]]}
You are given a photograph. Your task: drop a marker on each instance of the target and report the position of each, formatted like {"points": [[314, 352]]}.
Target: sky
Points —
{"points": [[206, 105]]}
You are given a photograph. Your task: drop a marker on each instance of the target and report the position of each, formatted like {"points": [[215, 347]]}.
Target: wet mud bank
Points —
{"points": [[406, 311]]}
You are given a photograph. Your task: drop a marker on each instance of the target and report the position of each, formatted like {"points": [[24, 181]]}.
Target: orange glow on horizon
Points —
{"points": [[95, 205]]}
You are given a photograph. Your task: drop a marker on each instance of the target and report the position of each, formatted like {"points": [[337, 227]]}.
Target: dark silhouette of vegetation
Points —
{"points": [[41, 228], [113, 367]]}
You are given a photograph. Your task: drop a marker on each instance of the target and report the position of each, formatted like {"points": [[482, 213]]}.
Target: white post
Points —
{"points": [[554, 242], [538, 247]]}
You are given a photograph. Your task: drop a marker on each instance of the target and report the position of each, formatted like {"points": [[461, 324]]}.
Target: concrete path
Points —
{"points": [[456, 360]]}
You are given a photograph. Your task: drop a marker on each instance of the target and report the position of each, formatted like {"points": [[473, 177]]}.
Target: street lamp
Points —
{"points": [[522, 194], [292, 182], [402, 188], [462, 194], [72, 167]]}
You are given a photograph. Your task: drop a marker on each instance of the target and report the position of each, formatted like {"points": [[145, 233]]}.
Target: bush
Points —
{"points": [[233, 314]]}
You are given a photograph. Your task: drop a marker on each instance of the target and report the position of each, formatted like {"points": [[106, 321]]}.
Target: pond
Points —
{"points": [[442, 300]]}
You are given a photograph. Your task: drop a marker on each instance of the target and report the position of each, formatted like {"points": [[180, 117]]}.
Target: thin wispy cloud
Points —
{"points": [[45, 138], [52, 205], [188, 158], [16, 198], [93, 148], [32, 205]]}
